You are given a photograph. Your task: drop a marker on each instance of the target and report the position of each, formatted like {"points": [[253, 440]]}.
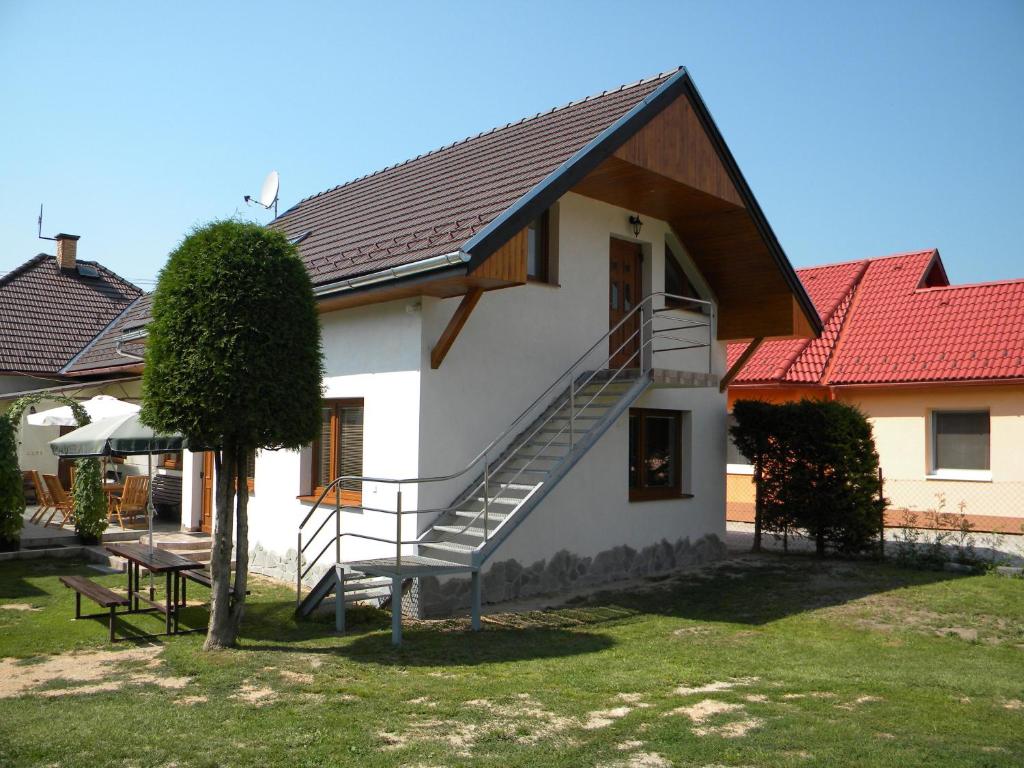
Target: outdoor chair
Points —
{"points": [[60, 500], [132, 502], [43, 501]]}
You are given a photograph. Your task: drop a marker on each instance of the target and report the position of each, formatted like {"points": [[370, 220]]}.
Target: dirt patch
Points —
{"points": [[303, 678], [717, 686], [703, 712], [1013, 704], [190, 701], [756, 698], [627, 746], [691, 631], [733, 730], [423, 701], [100, 671], [19, 607], [860, 700], [968, 634], [522, 720], [254, 695], [641, 760], [604, 717]]}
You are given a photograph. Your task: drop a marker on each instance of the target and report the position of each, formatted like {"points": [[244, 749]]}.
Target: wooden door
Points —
{"points": [[206, 521], [624, 290]]}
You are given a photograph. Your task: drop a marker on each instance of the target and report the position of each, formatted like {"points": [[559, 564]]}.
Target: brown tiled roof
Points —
{"points": [[47, 315], [433, 204], [102, 352]]}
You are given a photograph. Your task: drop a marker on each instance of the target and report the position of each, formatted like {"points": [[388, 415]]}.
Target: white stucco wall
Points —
{"points": [[371, 353], [516, 342]]}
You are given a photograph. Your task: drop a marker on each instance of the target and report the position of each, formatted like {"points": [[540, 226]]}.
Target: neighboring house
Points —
{"points": [[937, 368], [51, 308], [497, 332]]}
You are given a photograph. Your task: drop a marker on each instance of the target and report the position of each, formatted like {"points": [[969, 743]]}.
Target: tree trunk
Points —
{"points": [[221, 632], [758, 504], [241, 544]]}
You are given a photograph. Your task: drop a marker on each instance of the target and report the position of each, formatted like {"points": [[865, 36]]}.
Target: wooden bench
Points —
{"points": [[106, 598], [201, 576]]}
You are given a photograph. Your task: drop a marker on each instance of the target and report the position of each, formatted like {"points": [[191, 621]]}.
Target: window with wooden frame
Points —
{"points": [[677, 283], [339, 451], [538, 252], [655, 454]]}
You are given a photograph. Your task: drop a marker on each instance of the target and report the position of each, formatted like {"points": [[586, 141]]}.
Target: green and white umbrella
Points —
{"points": [[119, 436]]}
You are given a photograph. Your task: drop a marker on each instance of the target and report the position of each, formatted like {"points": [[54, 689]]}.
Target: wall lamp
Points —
{"points": [[635, 222]]}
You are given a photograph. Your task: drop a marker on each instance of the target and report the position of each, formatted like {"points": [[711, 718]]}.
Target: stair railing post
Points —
{"points": [[486, 495], [298, 569], [398, 534], [572, 409], [337, 523]]}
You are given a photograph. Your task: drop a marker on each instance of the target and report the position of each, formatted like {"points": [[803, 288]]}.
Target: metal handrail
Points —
{"points": [[645, 328]]}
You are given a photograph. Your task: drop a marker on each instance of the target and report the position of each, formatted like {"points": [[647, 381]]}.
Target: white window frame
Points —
{"points": [[735, 469], [950, 473]]}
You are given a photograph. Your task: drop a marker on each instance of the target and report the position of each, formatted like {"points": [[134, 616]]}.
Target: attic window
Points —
{"points": [[88, 270], [538, 266]]}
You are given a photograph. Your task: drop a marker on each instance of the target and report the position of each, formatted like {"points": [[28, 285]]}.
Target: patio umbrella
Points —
{"points": [[123, 436], [98, 407]]}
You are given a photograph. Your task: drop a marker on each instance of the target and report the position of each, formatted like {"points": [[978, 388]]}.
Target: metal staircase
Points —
{"points": [[513, 473]]}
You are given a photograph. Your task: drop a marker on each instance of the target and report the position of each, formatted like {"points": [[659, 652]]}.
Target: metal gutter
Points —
{"points": [[430, 264], [64, 387]]}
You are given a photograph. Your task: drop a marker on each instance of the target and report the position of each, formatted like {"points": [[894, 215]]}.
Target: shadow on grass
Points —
{"points": [[18, 576], [273, 627], [759, 590]]}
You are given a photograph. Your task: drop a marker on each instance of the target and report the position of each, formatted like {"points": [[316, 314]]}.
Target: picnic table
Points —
{"points": [[155, 561]]}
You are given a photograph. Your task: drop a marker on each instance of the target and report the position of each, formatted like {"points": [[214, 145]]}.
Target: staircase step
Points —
{"points": [[448, 546], [460, 530], [469, 514]]}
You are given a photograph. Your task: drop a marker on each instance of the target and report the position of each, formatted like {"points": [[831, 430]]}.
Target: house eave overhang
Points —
{"points": [[393, 274], [560, 181]]}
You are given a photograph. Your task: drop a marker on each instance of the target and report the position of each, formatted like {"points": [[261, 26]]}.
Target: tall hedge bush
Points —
{"points": [[12, 493], [816, 470]]}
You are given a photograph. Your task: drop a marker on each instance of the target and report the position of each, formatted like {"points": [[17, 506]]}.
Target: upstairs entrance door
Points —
{"points": [[625, 288]]}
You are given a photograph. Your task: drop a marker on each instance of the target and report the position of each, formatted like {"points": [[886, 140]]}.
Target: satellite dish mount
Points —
{"points": [[268, 192]]}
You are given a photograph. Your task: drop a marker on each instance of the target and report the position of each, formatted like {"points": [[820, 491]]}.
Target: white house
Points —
{"points": [[527, 328]]}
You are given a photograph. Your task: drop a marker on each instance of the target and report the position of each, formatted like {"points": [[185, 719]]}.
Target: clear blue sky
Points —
{"points": [[863, 128]]}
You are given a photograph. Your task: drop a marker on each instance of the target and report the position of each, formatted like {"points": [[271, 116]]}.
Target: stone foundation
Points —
{"points": [[563, 572], [282, 567]]}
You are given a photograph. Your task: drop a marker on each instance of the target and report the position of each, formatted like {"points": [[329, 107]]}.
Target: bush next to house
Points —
{"points": [[233, 363], [90, 501], [816, 471], [12, 494]]}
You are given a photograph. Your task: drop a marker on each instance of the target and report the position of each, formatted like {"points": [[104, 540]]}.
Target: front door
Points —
{"points": [[206, 522], [625, 287]]}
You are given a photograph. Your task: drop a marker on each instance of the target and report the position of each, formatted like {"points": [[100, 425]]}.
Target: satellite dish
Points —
{"points": [[268, 192]]}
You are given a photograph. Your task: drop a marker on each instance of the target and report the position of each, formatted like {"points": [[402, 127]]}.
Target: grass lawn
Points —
{"points": [[764, 661]]}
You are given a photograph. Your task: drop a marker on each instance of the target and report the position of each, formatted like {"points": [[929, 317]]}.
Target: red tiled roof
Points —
{"points": [[47, 314], [884, 324], [433, 204]]}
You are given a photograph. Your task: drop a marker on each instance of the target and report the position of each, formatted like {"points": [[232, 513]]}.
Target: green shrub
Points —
{"points": [[90, 500], [816, 471], [12, 493]]}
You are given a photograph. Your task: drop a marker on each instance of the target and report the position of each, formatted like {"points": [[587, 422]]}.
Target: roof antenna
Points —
{"points": [[39, 221], [268, 192]]}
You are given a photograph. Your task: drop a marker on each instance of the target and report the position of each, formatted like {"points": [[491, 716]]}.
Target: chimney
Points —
{"points": [[67, 249]]}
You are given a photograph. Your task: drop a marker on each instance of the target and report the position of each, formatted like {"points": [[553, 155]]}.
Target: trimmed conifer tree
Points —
{"points": [[12, 493], [233, 363]]}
